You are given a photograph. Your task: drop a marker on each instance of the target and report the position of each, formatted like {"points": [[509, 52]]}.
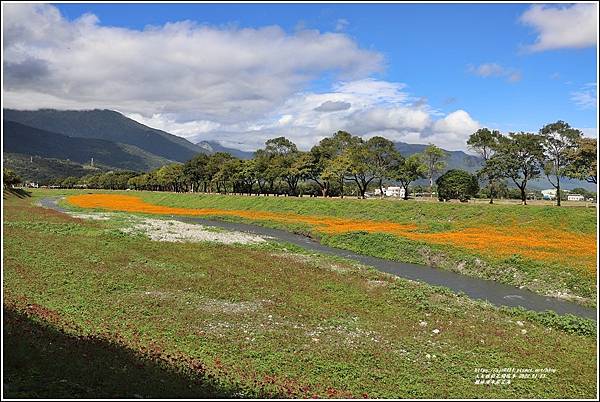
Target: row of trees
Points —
{"points": [[557, 151], [336, 162], [280, 167]]}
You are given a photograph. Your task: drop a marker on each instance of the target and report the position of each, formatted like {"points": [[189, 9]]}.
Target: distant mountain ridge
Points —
{"points": [[454, 159], [107, 125], [214, 146], [22, 139]]}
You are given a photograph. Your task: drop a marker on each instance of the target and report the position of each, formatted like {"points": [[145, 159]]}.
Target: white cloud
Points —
{"points": [[486, 70], [236, 86], [196, 72], [573, 26], [396, 118], [586, 97]]}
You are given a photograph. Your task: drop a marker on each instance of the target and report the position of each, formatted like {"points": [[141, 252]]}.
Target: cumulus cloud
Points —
{"points": [[197, 71], [397, 118], [559, 27], [486, 70], [586, 97], [236, 86]]}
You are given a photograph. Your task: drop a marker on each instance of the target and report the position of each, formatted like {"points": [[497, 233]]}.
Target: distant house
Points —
{"points": [[394, 192], [549, 194], [391, 192], [575, 197]]}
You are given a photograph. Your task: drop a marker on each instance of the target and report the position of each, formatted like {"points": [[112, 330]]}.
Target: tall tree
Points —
{"points": [[433, 158], [518, 157], [485, 142], [408, 170], [196, 172], [336, 170], [323, 155], [583, 161], [362, 169], [558, 141], [10, 178], [287, 162], [384, 157]]}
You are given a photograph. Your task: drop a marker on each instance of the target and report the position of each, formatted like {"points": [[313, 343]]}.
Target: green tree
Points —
{"points": [[69, 182], [408, 170], [433, 158], [518, 158], [558, 141], [457, 184], [287, 162], [10, 178], [583, 161], [362, 169], [384, 157], [196, 172], [323, 154], [485, 142], [213, 166], [171, 177], [336, 170]]}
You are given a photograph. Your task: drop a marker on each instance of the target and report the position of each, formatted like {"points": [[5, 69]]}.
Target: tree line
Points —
{"points": [[557, 151], [342, 160]]}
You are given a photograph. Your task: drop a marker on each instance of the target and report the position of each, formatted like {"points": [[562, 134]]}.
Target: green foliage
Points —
{"points": [[456, 184], [549, 319], [433, 159], [517, 157], [19, 138], [10, 178], [583, 160], [408, 170]]}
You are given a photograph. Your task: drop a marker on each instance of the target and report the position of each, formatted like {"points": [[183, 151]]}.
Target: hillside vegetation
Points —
{"points": [[107, 125], [43, 170], [22, 139]]}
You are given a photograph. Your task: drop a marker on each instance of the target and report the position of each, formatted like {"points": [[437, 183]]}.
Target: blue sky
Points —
{"points": [[427, 46], [480, 59]]}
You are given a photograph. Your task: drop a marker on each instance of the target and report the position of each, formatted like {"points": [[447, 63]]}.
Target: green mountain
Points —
{"points": [[213, 146], [43, 170], [107, 125], [454, 159], [22, 139]]}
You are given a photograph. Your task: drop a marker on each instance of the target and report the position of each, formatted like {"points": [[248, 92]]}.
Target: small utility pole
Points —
{"points": [[92, 162]]}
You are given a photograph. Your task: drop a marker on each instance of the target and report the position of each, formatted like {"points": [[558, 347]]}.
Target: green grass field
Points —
{"points": [[571, 277], [92, 312]]}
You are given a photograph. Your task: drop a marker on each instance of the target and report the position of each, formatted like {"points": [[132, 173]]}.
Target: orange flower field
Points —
{"points": [[545, 244]]}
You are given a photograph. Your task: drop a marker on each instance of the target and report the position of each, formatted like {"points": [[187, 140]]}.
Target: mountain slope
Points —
{"points": [[454, 160], [43, 170], [213, 146], [107, 125], [22, 139]]}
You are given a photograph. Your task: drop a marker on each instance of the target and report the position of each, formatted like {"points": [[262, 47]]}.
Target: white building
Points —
{"points": [[549, 194], [575, 197], [391, 192]]}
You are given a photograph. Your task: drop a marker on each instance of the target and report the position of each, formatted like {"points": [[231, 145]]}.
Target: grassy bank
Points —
{"points": [[264, 320], [548, 250]]}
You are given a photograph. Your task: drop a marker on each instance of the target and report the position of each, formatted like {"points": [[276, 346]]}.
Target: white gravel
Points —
{"points": [[175, 231]]}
